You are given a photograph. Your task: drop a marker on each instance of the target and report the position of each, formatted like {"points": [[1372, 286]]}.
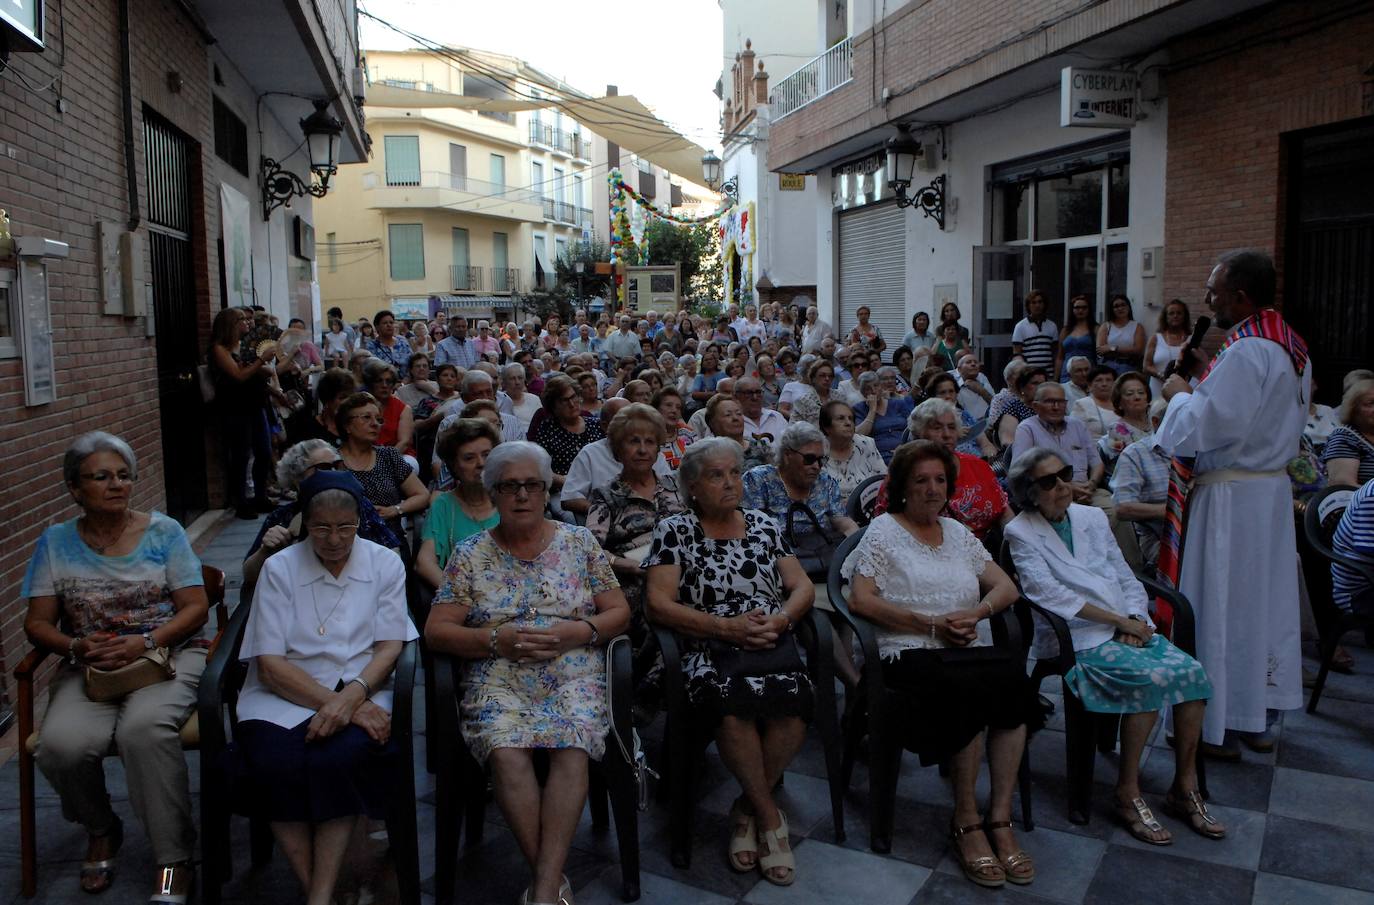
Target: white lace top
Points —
{"points": [[928, 580]]}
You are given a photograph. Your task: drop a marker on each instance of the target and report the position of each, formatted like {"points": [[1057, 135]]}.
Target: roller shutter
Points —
{"points": [[873, 270]]}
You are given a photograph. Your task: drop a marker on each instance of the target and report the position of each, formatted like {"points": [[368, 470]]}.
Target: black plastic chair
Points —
{"points": [[461, 783], [1087, 733], [861, 501], [219, 690], [885, 709], [687, 737], [1322, 515]]}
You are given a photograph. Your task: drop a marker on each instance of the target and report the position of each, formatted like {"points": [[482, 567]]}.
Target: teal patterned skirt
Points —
{"points": [[1118, 678]]}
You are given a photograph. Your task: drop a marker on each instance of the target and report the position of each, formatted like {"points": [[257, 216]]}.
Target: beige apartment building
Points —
{"points": [[465, 210]]}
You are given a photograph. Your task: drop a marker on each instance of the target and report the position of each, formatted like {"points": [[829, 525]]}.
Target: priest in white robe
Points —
{"points": [[1239, 568]]}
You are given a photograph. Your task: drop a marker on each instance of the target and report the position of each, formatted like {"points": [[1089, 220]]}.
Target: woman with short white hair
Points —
{"points": [[528, 603]]}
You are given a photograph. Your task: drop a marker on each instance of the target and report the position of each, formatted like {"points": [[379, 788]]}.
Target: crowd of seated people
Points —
{"points": [[556, 485]]}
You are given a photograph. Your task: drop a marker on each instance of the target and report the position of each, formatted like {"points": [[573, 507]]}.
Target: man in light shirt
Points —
{"points": [[624, 343], [595, 465], [975, 392], [758, 421], [455, 349], [814, 330]]}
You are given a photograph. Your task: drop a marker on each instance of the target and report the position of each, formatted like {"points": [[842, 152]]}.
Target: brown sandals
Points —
{"points": [[984, 870], [1018, 866], [1140, 822], [1192, 810]]}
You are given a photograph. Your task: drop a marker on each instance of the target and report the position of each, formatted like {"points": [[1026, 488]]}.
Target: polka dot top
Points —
{"points": [[563, 445]]}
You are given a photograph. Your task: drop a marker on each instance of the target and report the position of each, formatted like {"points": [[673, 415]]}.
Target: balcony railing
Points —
{"points": [[550, 208], [458, 182], [541, 133], [648, 185], [465, 279], [566, 213], [562, 141], [505, 279], [584, 215], [816, 79]]}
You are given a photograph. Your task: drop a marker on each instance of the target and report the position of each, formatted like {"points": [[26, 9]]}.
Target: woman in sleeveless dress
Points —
{"points": [[1175, 325], [1079, 337]]}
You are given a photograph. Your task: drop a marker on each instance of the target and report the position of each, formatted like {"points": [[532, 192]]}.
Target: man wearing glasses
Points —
{"points": [[1052, 428], [758, 421]]}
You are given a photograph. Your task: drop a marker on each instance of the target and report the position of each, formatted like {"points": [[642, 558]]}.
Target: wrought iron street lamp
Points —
{"points": [[322, 137], [902, 156], [710, 169]]}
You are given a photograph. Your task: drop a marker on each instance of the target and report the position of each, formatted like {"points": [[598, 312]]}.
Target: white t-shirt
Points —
{"points": [[595, 466], [1037, 343]]}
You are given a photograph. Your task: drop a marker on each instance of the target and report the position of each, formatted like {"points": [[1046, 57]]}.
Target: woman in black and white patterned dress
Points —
{"points": [[724, 577]]}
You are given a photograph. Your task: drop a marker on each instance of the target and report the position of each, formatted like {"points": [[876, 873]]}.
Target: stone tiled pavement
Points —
{"points": [[1301, 820]]}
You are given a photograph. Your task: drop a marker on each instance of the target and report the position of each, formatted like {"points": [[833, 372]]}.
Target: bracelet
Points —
{"points": [[991, 612], [367, 689], [932, 626], [785, 615], [71, 652], [492, 645]]}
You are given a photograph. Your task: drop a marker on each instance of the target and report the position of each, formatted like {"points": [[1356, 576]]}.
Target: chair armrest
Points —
{"points": [[1006, 631], [220, 672], [1185, 622], [1064, 660], [674, 688], [29, 665], [622, 685], [403, 697]]}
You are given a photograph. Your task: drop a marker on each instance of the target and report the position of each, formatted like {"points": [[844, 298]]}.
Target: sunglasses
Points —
{"points": [[332, 465], [1050, 481], [809, 459]]}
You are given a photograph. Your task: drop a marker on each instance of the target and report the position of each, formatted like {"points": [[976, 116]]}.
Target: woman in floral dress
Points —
{"points": [[528, 603]]}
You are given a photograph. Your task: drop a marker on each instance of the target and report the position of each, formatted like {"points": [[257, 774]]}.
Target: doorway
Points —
{"points": [[1001, 277], [1328, 274], [170, 157]]}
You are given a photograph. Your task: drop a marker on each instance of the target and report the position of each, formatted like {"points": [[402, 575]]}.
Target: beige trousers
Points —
{"points": [[145, 727]]}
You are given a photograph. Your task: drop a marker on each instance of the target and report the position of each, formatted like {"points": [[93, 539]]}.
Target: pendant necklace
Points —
{"points": [[101, 548], [315, 602]]}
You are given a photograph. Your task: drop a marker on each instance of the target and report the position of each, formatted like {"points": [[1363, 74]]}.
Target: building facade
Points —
{"points": [[1022, 193], [136, 139]]}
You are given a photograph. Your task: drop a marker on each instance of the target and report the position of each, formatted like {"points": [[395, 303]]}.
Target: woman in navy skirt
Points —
{"points": [[327, 625]]}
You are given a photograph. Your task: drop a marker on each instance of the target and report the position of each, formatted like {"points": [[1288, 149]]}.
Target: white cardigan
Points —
{"points": [[1062, 582]]}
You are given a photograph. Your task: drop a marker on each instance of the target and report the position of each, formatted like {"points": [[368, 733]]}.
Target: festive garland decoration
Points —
{"points": [[624, 247]]}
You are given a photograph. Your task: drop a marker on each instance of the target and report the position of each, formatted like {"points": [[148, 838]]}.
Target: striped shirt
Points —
{"points": [[1037, 342], [1346, 443], [1354, 536]]}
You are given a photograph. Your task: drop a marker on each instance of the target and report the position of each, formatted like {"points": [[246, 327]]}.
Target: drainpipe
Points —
{"points": [[127, 90]]}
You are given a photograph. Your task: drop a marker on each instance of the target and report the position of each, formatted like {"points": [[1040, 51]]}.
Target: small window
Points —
{"points": [[231, 138], [1067, 206], [407, 241], [498, 173], [402, 159]]}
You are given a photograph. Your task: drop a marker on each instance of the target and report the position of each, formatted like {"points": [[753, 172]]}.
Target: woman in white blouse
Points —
{"points": [[327, 624], [929, 586]]}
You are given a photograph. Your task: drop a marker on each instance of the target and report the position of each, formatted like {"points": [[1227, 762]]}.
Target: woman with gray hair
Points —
{"points": [[1349, 450], [327, 625], [528, 603], [797, 479], [105, 589], [882, 414], [1070, 564], [724, 577], [283, 524]]}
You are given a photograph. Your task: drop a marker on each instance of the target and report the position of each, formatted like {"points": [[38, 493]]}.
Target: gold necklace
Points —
{"points": [[315, 603], [101, 548]]}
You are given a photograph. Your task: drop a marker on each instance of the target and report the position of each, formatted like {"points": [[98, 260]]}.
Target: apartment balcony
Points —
{"points": [[814, 80], [584, 216], [505, 279], [550, 208], [541, 134], [452, 192], [465, 279]]}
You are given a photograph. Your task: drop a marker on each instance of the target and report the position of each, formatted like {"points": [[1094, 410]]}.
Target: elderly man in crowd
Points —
{"points": [[1053, 429], [1140, 485], [975, 391], [456, 348], [623, 343], [758, 421], [1076, 387], [814, 330]]}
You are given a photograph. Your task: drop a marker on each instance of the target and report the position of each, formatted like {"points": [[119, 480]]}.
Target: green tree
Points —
{"points": [[589, 254]]}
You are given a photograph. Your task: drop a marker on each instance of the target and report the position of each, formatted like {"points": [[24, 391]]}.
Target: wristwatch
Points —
{"points": [[596, 636], [148, 642]]}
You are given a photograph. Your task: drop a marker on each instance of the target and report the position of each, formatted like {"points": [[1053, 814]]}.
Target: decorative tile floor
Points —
{"points": [[1300, 820]]}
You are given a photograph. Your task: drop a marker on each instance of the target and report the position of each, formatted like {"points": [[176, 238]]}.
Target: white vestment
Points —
{"points": [[1239, 566]]}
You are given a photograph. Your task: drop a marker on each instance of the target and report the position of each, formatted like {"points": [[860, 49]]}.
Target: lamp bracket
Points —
{"points": [[930, 198], [280, 185]]}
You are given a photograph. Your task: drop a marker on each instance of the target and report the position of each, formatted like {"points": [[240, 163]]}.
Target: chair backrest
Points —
{"points": [[1323, 514], [863, 500], [835, 581]]}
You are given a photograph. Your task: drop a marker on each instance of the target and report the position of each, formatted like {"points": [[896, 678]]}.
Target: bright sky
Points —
{"points": [[667, 53]]}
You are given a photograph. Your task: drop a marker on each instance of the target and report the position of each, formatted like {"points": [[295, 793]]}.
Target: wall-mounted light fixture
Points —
{"points": [[903, 154], [710, 169], [322, 135]]}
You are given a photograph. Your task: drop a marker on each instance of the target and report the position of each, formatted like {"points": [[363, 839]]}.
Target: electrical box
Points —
{"points": [[132, 274], [111, 269]]}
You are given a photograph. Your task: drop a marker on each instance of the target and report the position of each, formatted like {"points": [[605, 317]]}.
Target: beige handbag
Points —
{"points": [[150, 667]]}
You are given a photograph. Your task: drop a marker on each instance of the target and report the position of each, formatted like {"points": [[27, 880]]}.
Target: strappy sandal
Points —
{"points": [[1192, 810], [742, 844], [984, 870], [104, 870], [174, 876], [775, 853], [1142, 823], [1018, 866]]}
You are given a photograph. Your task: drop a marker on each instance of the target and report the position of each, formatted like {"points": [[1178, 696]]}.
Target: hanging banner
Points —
{"points": [[238, 247]]}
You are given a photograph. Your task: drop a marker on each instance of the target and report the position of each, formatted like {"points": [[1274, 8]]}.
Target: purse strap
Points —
{"points": [[792, 511]]}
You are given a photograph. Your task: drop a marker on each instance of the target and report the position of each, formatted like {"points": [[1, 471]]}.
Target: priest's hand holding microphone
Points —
{"points": [[1191, 361]]}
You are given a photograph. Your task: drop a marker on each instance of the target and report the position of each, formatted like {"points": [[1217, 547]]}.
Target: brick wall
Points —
{"points": [[1228, 112], [60, 174]]}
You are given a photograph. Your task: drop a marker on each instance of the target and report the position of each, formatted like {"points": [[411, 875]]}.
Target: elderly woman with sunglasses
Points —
{"points": [[327, 624], [798, 476], [103, 589], [283, 524], [528, 603], [1070, 564]]}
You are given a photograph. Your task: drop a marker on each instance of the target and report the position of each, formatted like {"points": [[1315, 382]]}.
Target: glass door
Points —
{"points": [[1001, 276], [1082, 274]]}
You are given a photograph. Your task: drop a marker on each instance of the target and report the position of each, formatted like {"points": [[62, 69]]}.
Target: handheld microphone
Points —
{"points": [[1183, 366]]}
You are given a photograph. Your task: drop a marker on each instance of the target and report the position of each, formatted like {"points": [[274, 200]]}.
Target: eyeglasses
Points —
{"points": [[809, 459], [513, 488], [1059, 401], [325, 531], [107, 477], [1050, 481], [570, 398]]}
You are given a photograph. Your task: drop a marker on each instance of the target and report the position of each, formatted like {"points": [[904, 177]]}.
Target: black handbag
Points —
{"points": [[814, 549], [733, 662]]}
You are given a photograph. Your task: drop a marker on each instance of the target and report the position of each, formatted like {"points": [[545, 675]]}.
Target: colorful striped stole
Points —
{"points": [[1265, 324]]}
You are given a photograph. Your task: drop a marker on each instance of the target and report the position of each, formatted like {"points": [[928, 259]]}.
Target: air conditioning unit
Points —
{"points": [[926, 160]]}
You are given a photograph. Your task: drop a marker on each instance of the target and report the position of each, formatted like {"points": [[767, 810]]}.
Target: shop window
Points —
{"points": [[1067, 206]]}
